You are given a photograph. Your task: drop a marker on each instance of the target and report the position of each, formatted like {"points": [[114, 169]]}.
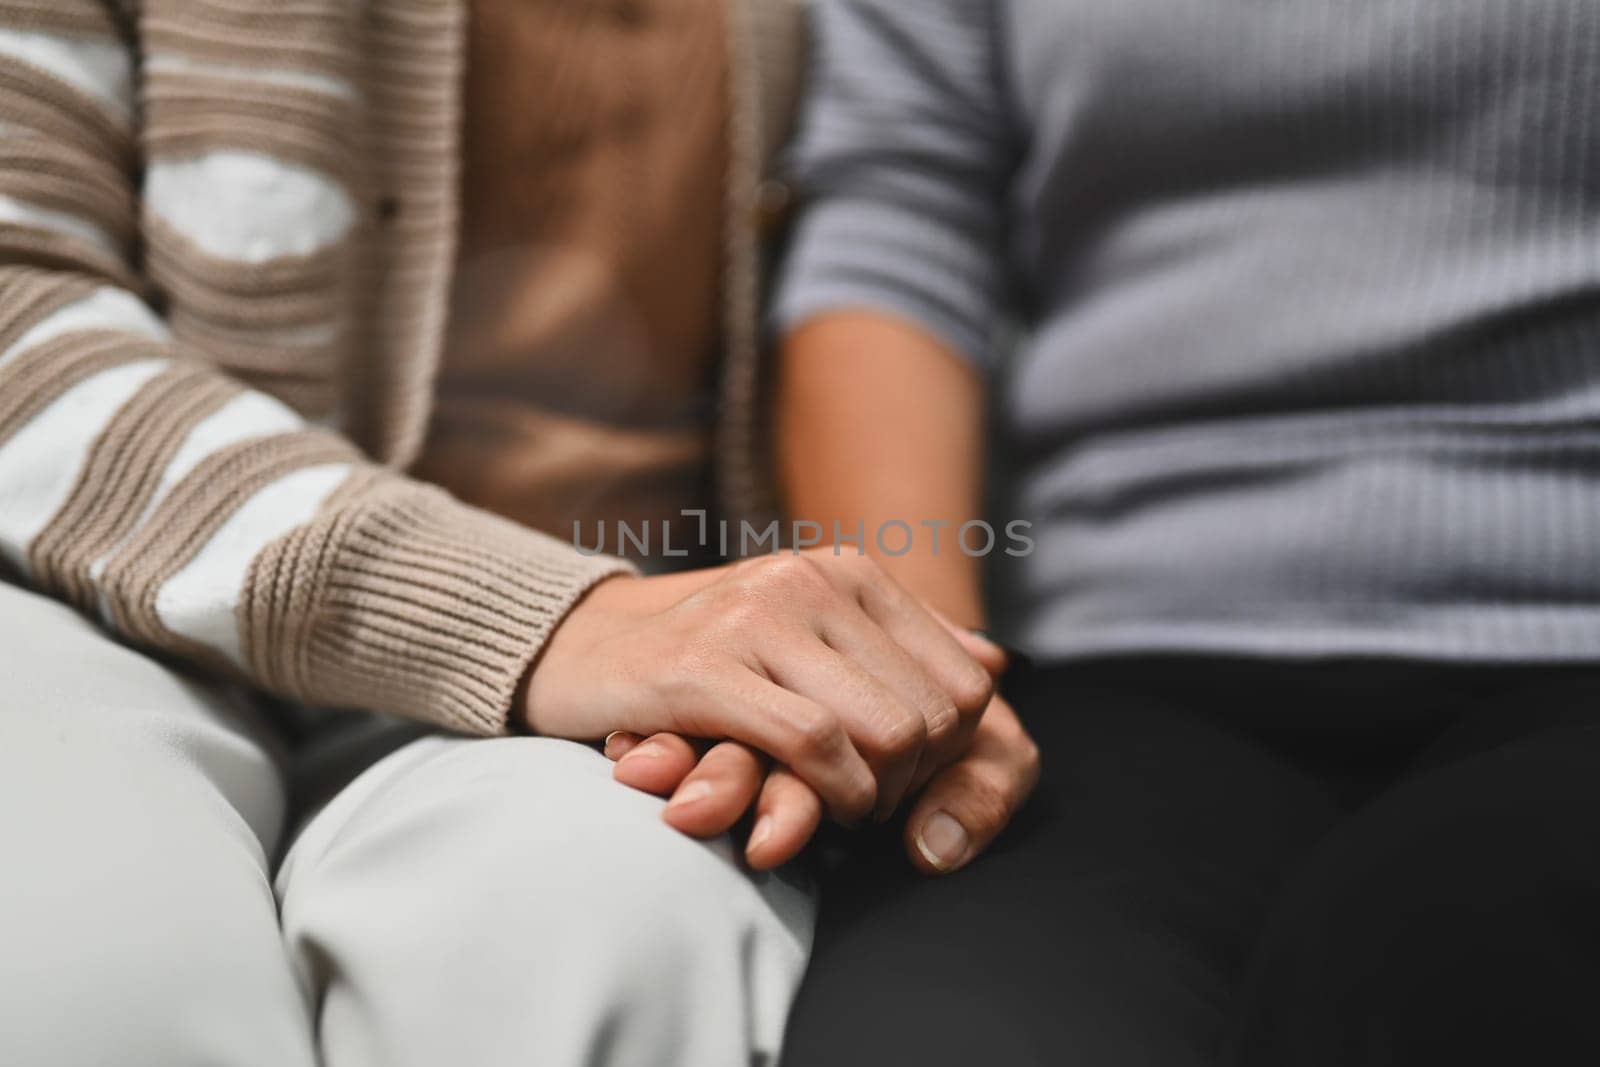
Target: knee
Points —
{"points": [[568, 922], [529, 842], [596, 862]]}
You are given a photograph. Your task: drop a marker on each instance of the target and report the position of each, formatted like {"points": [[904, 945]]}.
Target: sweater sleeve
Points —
{"points": [[188, 513], [903, 161]]}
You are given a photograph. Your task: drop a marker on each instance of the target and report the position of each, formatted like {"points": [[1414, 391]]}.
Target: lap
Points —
{"points": [[138, 812], [1453, 918], [1179, 894], [1106, 926], [462, 900], [560, 912]]}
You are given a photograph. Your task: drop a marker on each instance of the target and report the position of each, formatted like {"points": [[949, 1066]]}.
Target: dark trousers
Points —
{"points": [[1343, 864]]}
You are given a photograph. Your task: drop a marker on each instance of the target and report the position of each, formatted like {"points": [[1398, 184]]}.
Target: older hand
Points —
{"points": [[958, 813]]}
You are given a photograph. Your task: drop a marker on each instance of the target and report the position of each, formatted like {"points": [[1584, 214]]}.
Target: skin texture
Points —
{"points": [[822, 662], [712, 786], [860, 384]]}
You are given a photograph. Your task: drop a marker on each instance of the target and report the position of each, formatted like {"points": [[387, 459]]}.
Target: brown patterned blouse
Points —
{"points": [[578, 363]]}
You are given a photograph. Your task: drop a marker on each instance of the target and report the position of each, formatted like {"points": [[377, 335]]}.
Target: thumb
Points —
{"points": [[966, 805]]}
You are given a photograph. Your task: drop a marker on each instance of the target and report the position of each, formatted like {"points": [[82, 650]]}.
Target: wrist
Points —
{"points": [[606, 608], [595, 597]]}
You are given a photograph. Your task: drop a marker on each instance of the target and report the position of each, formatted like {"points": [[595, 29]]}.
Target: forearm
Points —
{"points": [[878, 423], [143, 483]]}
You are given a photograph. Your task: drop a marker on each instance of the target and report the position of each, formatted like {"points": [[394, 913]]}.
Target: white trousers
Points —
{"points": [[473, 902]]}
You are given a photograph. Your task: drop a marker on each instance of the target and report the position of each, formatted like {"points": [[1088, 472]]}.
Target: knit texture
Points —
{"points": [[1289, 309], [226, 235]]}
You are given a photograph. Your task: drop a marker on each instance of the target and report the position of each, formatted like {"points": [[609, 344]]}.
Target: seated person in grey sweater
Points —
{"points": [[1283, 319]]}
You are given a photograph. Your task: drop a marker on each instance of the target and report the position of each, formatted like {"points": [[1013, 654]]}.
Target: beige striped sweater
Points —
{"points": [[226, 229]]}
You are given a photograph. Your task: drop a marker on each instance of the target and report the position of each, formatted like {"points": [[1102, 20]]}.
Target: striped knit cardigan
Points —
{"points": [[226, 232]]}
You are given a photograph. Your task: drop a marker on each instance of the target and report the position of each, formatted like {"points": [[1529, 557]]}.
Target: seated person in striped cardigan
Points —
{"points": [[268, 273]]}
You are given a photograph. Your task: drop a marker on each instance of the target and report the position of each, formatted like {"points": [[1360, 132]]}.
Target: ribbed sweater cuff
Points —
{"points": [[419, 605]]}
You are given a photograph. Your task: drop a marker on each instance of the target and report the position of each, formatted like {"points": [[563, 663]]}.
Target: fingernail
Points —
{"points": [[1012, 655], [643, 750], [983, 635], [942, 841], [613, 739], [759, 833], [689, 794]]}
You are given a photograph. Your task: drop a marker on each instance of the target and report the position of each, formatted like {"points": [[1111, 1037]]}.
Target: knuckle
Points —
{"points": [[987, 801], [746, 571], [848, 571], [788, 576], [1030, 761], [943, 721], [857, 564], [798, 568], [741, 607], [865, 573], [971, 687], [902, 733], [817, 734], [743, 611], [860, 797]]}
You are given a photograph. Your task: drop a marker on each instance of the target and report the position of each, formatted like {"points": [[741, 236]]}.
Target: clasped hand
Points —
{"points": [[825, 687]]}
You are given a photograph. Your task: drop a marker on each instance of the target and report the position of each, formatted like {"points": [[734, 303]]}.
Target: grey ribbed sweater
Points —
{"points": [[1308, 294]]}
